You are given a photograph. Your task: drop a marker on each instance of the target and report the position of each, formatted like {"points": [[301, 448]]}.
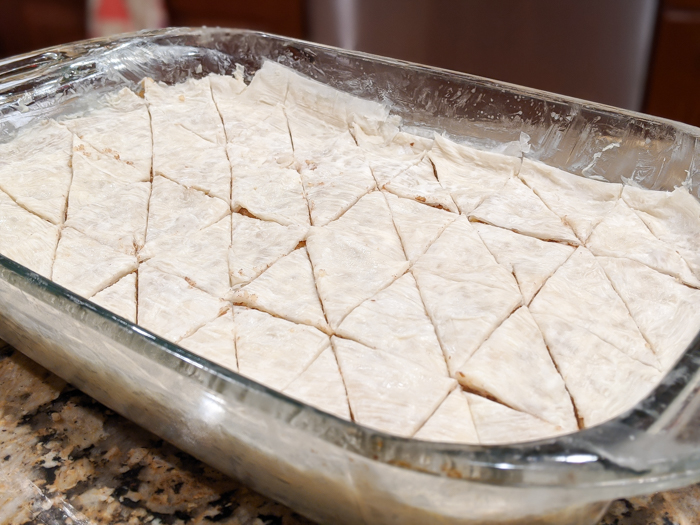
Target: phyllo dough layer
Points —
{"points": [[416, 285]]}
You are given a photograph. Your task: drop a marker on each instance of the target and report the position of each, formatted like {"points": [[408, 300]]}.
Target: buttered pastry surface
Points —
{"points": [[415, 285]]}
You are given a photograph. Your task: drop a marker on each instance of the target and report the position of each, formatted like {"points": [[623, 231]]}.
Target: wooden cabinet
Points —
{"points": [[674, 75], [27, 25], [283, 17]]}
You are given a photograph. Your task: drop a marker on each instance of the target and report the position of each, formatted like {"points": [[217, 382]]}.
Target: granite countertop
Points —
{"points": [[67, 459]]}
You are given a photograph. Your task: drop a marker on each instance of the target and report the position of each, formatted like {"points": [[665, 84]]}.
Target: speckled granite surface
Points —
{"points": [[66, 459]]}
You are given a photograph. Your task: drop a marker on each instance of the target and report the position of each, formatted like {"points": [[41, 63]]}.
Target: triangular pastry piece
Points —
{"points": [[355, 256], [514, 367], [274, 351], [270, 83], [672, 217], [104, 203], [394, 320], [25, 238], [327, 104], [86, 266], [531, 260], [497, 424], [36, 169], [466, 292], [335, 179], [191, 161], [263, 138], [418, 225], [120, 298], [256, 244], [178, 211], [465, 311], [270, 192], [385, 168], [87, 160], [265, 143], [188, 105], [581, 292], [257, 132], [387, 392], [311, 134], [623, 234], [389, 153], [229, 90], [418, 182], [120, 127], [602, 380], [451, 423], [171, 307], [317, 112], [580, 202], [517, 208], [225, 90], [321, 386], [470, 175], [201, 257], [215, 341], [667, 312], [189, 143], [286, 290], [400, 165]]}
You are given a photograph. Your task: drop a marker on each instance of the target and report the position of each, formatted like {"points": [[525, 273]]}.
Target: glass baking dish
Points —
{"points": [[328, 469]]}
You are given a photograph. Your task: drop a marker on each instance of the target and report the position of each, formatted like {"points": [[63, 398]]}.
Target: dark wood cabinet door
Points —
{"points": [[283, 17], [27, 25], [674, 75]]}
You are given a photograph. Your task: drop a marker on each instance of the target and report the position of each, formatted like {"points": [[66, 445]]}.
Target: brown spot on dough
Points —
{"points": [[246, 213]]}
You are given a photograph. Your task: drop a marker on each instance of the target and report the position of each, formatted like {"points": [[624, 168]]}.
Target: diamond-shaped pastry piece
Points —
{"points": [[469, 174], [514, 366], [25, 238], [171, 307], [394, 320], [355, 257], [86, 266], [531, 260], [287, 290], [672, 217], [497, 424], [321, 386], [466, 292], [36, 169], [274, 351], [580, 202], [387, 392], [119, 298], [451, 423], [517, 208], [215, 341], [666, 311]]}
